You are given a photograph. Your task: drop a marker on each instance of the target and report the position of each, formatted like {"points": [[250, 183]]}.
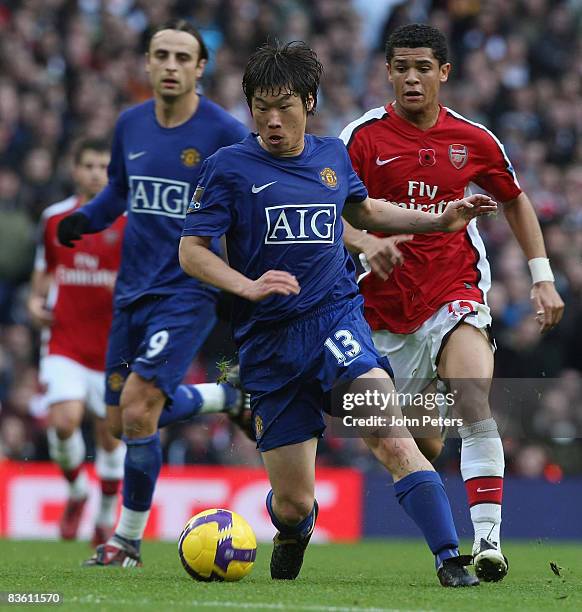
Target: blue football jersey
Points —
{"points": [[280, 213], [152, 175]]}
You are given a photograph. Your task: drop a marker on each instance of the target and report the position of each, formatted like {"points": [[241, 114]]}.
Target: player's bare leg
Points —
{"points": [[291, 504], [419, 490], [113, 418], [141, 404], [467, 363], [109, 467], [67, 449], [429, 439]]}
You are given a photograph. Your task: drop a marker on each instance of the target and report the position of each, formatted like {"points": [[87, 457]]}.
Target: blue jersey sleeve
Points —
{"points": [[357, 191], [111, 202], [210, 211]]}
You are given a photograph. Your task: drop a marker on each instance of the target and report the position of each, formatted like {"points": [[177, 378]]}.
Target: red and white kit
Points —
{"points": [[74, 347], [445, 276]]}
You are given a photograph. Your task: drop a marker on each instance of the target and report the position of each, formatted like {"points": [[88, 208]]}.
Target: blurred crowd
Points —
{"points": [[67, 68]]}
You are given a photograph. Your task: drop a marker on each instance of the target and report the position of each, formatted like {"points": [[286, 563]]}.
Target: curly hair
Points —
{"points": [[291, 68], [417, 35]]}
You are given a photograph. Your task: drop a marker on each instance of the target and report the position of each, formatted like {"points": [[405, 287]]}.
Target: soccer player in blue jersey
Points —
{"points": [[162, 316], [278, 196]]}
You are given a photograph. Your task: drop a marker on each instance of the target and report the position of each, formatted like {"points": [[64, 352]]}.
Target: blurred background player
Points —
{"points": [[298, 319], [162, 316], [431, 317], [71, 300]]}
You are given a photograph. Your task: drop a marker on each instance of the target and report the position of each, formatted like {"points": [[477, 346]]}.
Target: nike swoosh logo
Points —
{"points": [[133, 156], [479, 490], [347, 363], [259, 189], [383, 162]]}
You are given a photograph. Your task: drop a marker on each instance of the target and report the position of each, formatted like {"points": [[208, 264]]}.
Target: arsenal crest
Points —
{"points": [[458, 155]]}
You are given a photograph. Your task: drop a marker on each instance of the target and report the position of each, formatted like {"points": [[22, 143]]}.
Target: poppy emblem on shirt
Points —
{"points": [[328, 177], [458, 155], [258, 427], [190, 157], [427, 157]]}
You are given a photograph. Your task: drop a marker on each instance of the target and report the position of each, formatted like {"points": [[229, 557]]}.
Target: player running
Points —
{"points": [[278, 197], [161, 316], [71, 299], [431, 318]]}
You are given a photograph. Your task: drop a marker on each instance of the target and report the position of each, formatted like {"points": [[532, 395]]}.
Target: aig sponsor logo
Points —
{"points": [[157, 196], [300, 223]]}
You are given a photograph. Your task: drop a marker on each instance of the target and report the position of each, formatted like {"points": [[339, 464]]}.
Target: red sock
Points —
{"points": [[484, 490], [110, 487]]}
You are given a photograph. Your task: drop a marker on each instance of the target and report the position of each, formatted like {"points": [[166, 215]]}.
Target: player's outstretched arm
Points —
{"points": [[378, 215], [525, 226], [199, 261], [382, 254]]}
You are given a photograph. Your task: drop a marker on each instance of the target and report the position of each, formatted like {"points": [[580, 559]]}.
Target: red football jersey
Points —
{"points": [[81, 294], [419, 169]]}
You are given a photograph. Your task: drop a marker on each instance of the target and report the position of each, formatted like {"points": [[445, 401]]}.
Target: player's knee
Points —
{"points": [[431, 448], [394, 453], [64, 426], [292, 510]]}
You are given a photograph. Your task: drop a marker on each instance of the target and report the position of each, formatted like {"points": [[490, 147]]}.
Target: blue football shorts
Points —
{"points": [[290, 370], [157, 337]]}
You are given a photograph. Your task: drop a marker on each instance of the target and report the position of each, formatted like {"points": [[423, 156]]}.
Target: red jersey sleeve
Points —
{"points": [[498, 178]]}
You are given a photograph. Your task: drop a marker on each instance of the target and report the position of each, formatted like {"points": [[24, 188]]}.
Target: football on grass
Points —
{"points": [[217, 544]]}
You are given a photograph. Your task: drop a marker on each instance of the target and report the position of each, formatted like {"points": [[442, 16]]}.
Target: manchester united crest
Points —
{"points": [[258, 427], [328, 177], [458, 155], [115, 382], [190, 157]]}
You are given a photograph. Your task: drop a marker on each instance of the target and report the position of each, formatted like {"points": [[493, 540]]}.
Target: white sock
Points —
{"points": [[79, 488], [109, 467], [213, 397], [482, 467], [132, 523], [69, 454]]}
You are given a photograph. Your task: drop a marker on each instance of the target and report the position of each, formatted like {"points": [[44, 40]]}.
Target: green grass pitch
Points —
{"points": [[372, 576]]}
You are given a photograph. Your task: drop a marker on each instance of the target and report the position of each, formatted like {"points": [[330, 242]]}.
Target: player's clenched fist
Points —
{"points": [[459, 212], [272, 282], [72, 228]]}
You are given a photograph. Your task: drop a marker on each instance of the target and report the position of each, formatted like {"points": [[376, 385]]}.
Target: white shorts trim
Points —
{"points": [[68, 380], [413, 356]]}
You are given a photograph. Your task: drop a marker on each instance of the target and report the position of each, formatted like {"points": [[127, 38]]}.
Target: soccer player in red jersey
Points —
{"points": [[71, 300], [431, 318]]}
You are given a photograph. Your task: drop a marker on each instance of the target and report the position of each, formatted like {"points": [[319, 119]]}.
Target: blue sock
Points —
{"points": [[187, 403], [423, 497], [143, 461], [301, 530]]}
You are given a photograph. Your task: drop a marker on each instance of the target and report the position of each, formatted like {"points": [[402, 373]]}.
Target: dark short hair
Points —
{"points": [[100, 145], [181, 25], [274, 68], [417, 35]]}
